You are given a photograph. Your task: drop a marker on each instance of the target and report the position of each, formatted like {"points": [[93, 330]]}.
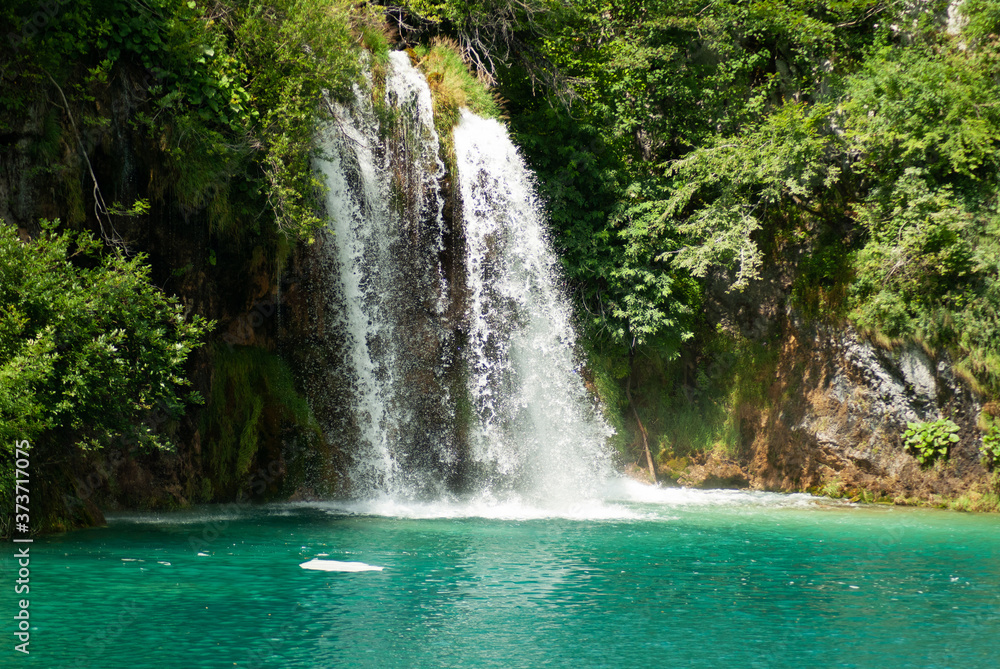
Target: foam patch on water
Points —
{"points": [[631, 491], [336, 565], [488, 508], [622, 499]]}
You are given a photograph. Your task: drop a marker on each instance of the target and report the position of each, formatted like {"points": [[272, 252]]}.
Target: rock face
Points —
{"points": [[833, 421], [714, 471], [838, 407]]}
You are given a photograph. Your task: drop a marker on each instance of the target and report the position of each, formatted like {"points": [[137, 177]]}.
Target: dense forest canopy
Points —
{"points": [[721, 136], [691, 153], [685, 146]]}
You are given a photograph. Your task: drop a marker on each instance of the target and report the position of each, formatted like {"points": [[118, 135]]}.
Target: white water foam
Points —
{"points": [[622, 499], [630, 491], [512, 509]]}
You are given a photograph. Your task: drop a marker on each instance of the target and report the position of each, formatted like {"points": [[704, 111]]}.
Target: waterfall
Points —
{"points": [[537, 430], [384, 208], [451, 354]]}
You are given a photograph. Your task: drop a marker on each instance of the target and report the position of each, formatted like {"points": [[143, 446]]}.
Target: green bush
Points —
{"points": [[92, 354], [990, 449], [929, 442], [87, 343]]}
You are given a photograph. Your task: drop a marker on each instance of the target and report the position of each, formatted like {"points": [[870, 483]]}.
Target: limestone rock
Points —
{"points": [[845, 403], [716, 471]]}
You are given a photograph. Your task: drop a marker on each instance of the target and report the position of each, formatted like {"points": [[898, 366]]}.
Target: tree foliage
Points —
{"points": [[91, 353], [660, 156], [223, 89], [706, 141]]}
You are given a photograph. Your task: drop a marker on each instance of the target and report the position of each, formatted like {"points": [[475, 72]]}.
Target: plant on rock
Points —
{"points": [[990, 449], [929, 442]]}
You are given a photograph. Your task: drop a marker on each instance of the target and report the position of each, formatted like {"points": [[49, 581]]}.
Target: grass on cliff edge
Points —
{"points": [[452, 84]]}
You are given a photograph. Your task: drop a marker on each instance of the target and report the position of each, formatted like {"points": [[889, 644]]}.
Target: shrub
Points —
{"points": [[92, 354], [86, 350], [990, 448], [929, 442]]}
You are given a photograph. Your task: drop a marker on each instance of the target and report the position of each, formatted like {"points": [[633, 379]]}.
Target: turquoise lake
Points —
{"points": [[664, 578]]}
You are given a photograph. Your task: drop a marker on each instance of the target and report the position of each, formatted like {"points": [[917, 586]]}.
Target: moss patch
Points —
{"points": [[253, 402]]}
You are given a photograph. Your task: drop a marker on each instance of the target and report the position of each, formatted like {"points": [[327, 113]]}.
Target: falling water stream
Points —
{"points": [[535, 429], [384, 208]]}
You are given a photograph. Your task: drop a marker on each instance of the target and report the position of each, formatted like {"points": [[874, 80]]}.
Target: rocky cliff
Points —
{"points": [[833, 421]]}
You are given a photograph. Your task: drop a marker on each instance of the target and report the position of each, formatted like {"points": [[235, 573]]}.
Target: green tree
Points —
{"points": [[91, 353], [659, 158]]}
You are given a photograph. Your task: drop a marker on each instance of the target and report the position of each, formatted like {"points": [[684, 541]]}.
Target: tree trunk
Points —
{"points": [[638, 421]]}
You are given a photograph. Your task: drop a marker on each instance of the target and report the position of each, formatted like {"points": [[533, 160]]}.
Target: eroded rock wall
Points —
{"points": [[834, 418]]}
